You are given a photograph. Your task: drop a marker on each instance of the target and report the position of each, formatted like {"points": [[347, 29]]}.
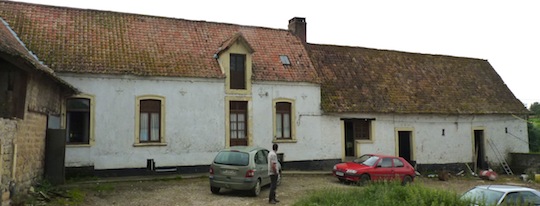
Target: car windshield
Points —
{"points": [[367, 160], [479, 195], [232, 158]]}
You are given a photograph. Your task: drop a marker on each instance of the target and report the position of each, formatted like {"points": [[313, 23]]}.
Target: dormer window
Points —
{"points": [[238, 71], [285, 60]]}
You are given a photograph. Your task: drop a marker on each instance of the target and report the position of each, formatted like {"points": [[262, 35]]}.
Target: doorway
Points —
{"points": [[405, 145], [349, 139], [479, 151], [238, 121]]}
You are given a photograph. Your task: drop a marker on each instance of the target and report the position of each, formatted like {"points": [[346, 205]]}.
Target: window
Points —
{"points": [[284, 59], [261, 157], [385, 162], [362, 129], [521, 198], [78, 120], [238, 71], [12, 91], [398, 163], [238, 122], [150, 121], [283, 120]]}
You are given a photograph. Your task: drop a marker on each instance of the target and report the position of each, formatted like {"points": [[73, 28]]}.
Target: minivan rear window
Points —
{"points": [[232, 158]]}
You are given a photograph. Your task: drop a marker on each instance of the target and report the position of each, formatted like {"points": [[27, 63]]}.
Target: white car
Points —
{"points": [[502, 195]]}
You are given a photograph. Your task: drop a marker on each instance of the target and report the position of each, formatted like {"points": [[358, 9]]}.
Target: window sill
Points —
{"points": [[364, 141], [238, 91], [150, 144], [284, 141], [77, 145]]}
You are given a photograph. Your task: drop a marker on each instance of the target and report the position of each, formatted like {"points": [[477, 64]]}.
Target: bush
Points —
{"points": [[383, 194], [534, 136]]}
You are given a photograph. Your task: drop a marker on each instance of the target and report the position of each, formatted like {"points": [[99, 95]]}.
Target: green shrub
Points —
{"points": [[383, 194]]}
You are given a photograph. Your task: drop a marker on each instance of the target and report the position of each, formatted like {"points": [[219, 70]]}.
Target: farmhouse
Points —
{"points": [[30, 99], [164, 94]]}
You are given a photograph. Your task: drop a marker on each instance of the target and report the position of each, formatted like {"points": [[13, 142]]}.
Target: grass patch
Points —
{"points": [[71, 197], [535, 121], [383, 194], [103, 188], [47, 194]]}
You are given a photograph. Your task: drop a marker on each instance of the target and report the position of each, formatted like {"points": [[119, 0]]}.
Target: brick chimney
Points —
{"points": [[297, 26]]}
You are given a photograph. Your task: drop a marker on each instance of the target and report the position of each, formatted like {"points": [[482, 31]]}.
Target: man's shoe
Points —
{"points": [[272, 202], [276, 200]]}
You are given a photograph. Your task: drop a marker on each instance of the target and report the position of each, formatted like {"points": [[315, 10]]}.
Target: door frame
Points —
{"points": [[412, 148], [478, 160], [249, 117]]}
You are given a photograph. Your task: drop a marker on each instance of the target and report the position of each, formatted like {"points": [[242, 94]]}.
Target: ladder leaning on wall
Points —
{"points": [[501, 158]]}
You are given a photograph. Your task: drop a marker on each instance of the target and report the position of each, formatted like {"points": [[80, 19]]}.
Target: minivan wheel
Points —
{"points": [[215, 190], [257, 189]]}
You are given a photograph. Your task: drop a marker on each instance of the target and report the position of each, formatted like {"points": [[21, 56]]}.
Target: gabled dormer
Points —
{"points": [[235, 59]]}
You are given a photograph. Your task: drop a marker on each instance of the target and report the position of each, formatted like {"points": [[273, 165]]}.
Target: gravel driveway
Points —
{"points": [[196, 191]]}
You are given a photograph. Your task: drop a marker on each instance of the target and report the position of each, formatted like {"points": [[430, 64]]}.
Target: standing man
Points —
{"points": [[273, 172]]}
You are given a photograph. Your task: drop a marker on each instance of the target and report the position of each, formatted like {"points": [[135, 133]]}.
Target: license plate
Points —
{"points": [[339, 173], [228, 172]]}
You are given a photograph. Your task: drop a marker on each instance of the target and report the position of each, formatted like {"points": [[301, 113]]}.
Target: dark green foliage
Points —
{"points": [[383, 194], [535, 108], [534, 137]]}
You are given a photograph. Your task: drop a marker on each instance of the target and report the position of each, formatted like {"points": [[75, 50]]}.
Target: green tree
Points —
{"points": [[534, 138], [535, 108]]}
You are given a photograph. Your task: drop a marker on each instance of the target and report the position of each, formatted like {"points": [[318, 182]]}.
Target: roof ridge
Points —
{"points": [[398, 51], [141, 15]]}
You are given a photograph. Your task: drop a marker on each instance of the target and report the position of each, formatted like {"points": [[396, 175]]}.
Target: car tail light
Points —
{"points": [[250, 173], [211, 171]]}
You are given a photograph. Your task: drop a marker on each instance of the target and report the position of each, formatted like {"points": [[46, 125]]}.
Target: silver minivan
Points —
{"points": [[240, 168]]}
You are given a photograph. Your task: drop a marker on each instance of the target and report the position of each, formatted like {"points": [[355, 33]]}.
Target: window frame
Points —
{"points": [[292, 119], [361, 127], [91, 126], [162, 122]]}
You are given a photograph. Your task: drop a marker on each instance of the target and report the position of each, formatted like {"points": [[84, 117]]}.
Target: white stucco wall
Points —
{"points": [[311, 144], [455, 146], [195, 121], [194, 129], [195, 125]]}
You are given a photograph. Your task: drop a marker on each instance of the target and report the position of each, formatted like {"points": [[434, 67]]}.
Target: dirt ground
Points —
{"points": [[196, 191]]}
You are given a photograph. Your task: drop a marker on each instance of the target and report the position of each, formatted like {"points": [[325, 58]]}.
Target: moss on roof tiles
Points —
{"points": [[90, 41], [12, 49], [358, 79]]}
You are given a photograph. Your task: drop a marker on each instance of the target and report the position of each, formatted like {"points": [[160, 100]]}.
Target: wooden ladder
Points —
{"points": [[501, 158]]}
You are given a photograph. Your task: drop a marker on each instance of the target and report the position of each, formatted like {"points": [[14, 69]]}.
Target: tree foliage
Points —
{"points": [[534, 137], [535, 108]]}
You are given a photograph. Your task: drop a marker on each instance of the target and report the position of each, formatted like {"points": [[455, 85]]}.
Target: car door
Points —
{"points": [[383, 170], [261, 164], [399, 168]]}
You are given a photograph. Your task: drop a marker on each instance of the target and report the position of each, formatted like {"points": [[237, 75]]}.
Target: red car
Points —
{"points": [[374, 167]]}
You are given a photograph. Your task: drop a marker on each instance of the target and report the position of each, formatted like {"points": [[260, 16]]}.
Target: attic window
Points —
{"points": [[284, 59]]}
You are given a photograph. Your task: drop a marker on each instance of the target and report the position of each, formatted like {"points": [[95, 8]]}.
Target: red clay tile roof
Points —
{"points": [[368, 80], [12, 49], [103, 42]]}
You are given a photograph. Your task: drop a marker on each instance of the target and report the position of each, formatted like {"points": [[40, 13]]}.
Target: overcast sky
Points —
{"points": [[506, 33]]}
